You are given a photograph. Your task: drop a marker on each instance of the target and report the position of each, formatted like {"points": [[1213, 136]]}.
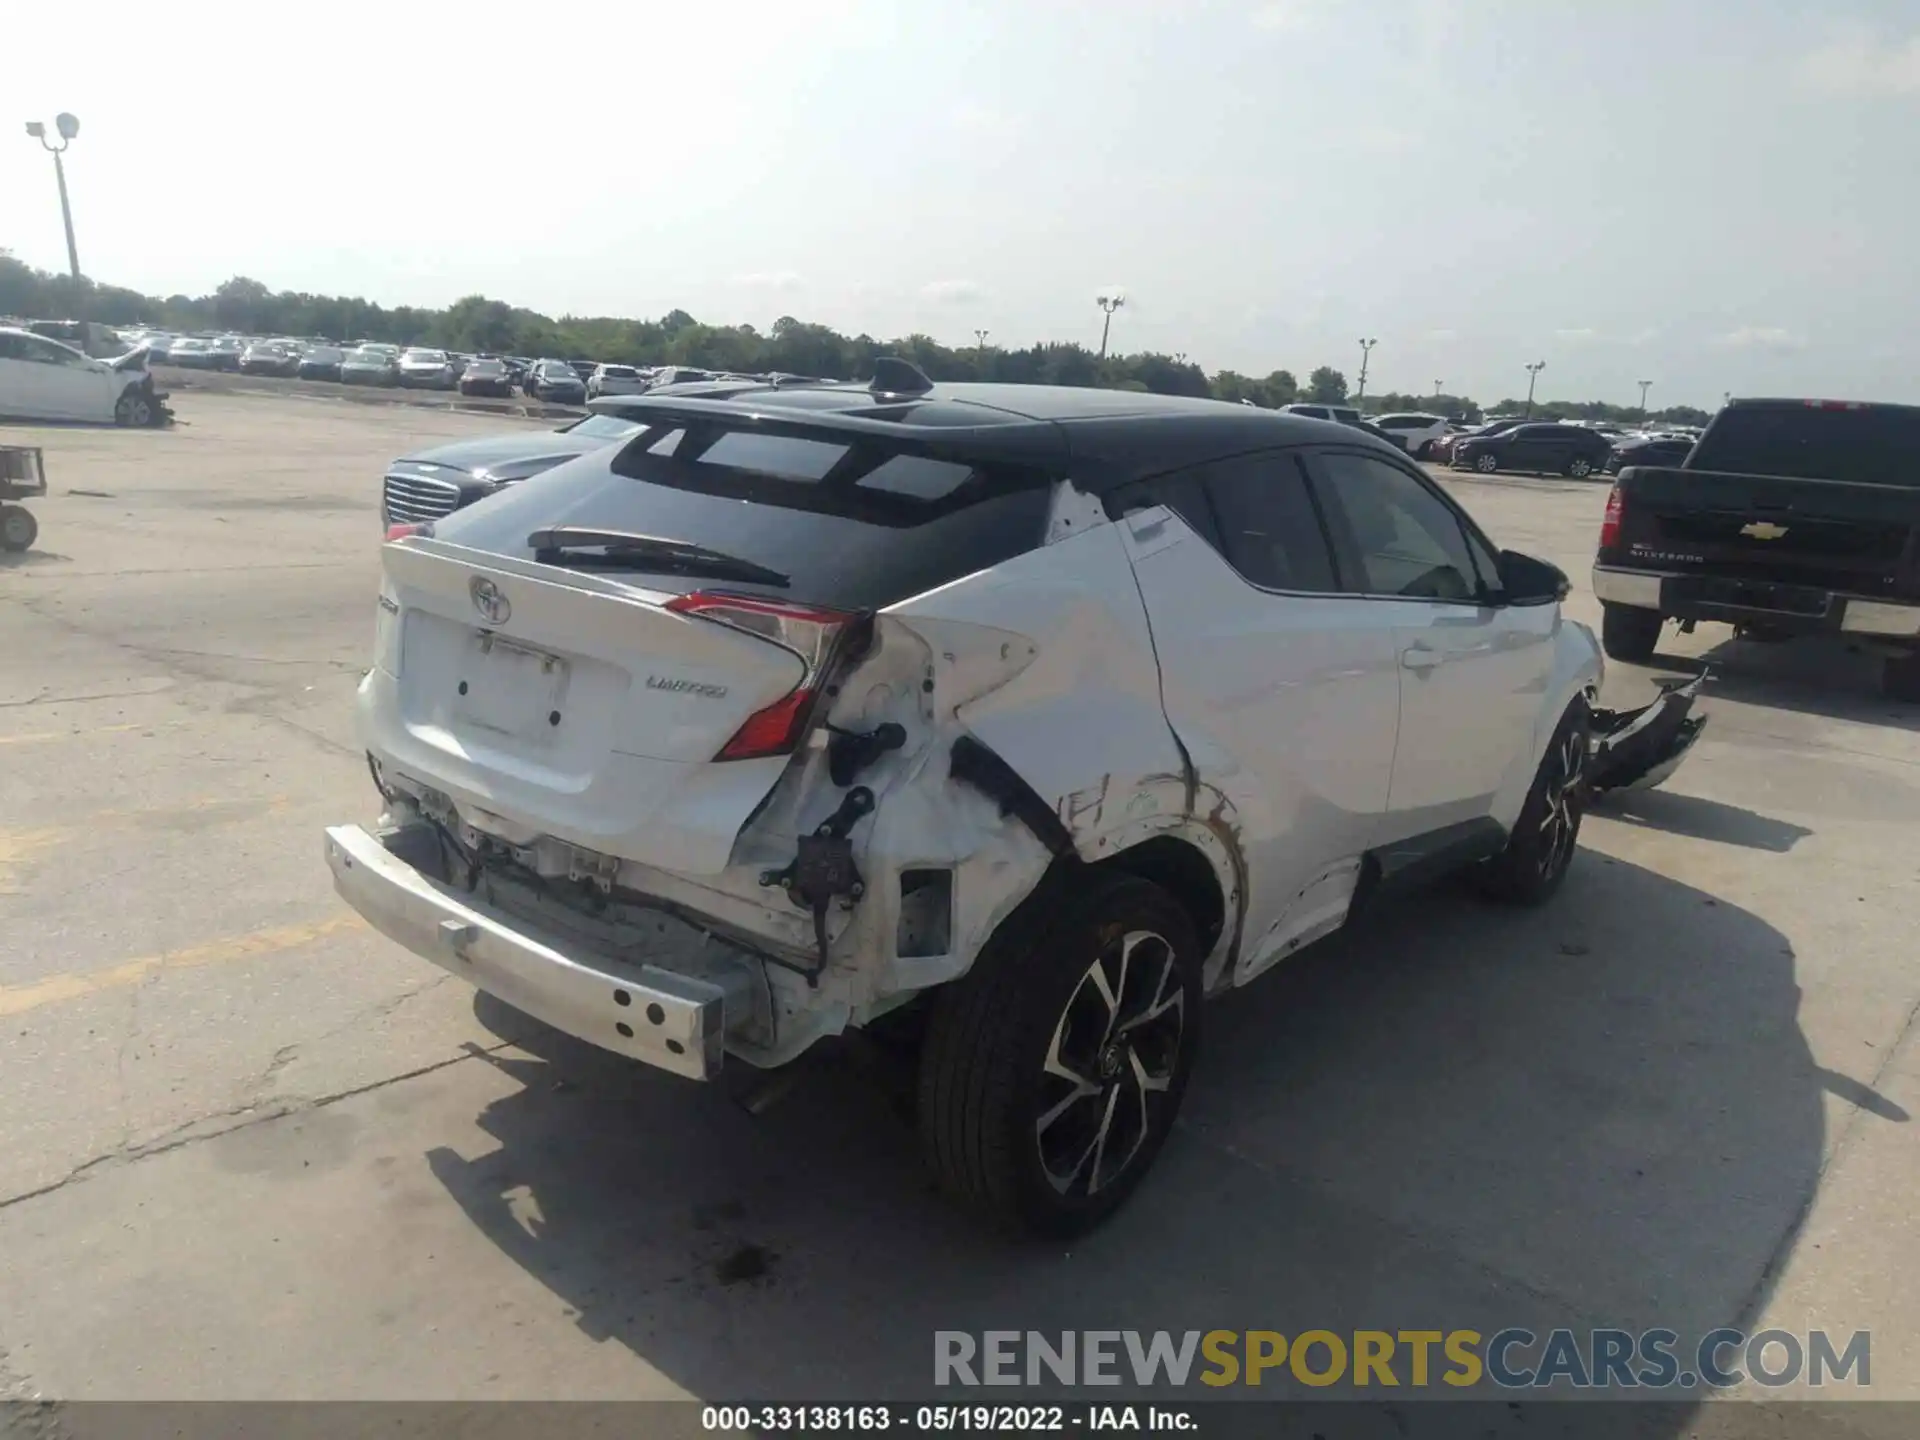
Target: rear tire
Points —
{"points": [[1900, 679], [1579, 467], [1544, 838], [1629, 633], [1486, 464], [1071, 1037], [18, 528]]}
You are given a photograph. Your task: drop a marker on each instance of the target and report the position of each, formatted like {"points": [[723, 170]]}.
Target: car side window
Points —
{"points": [[1270, 530], [1180, 492], [11, 348], [43, 353], [1405, 540]]}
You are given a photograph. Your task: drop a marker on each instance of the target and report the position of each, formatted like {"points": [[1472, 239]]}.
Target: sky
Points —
{"points": [[1715, 195]]}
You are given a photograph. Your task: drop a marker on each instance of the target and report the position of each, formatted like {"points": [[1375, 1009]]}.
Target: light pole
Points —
{"points": [[981, 337], [1644, 384], [68, 127], [1366, 350], [1108, 303], [1436, 388], [1533, 375]]}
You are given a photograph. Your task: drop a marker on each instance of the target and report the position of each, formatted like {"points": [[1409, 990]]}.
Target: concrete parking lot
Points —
{"points": [[251, 1150]]}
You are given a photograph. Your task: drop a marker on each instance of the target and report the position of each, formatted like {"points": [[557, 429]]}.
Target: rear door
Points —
{"points": [[1529, 447], [1283, 691], [1472, 672]]}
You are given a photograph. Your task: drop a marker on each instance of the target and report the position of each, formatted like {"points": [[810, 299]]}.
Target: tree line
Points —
{"points": [[477, 324]]}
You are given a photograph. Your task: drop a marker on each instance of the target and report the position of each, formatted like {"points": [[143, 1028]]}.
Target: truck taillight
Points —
{"points": [[811, 632], [1610, 522]]}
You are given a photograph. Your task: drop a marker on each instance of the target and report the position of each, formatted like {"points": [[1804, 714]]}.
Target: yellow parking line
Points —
{"points": [[18, 999]]}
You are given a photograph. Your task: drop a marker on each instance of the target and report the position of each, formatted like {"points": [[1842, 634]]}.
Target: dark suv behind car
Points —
{"points": [[1546, 449]]}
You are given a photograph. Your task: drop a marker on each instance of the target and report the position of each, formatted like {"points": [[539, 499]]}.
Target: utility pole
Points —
{"points": [[1108, 303], [1533, 375], [1644, 384], [1366, 350], [68, 127]]}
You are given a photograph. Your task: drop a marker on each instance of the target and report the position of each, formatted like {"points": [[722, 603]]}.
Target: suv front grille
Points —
{"points": [[410, 499]]}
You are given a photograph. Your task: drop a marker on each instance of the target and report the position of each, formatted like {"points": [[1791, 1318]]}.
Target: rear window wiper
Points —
{"points": [[578, 544]]}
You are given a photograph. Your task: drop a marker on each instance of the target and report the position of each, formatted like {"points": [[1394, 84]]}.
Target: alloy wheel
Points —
{"points": [[1580, 468], [1110, 1064], [1486, 464], [1560, 821]]}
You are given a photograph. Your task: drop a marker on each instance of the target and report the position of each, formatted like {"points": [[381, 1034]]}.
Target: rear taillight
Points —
{"points": [[1610, 522], [402, 532], [812, 633]]}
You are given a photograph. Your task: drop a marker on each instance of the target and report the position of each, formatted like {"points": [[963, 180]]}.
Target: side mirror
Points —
{"points": [[1525, 580]]}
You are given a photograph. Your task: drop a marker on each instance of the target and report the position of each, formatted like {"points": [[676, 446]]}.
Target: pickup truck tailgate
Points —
{"points": [[1831, 534]]}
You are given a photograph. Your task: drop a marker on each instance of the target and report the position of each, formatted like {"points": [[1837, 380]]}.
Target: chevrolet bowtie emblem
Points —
{"points": [[1763, 530]]}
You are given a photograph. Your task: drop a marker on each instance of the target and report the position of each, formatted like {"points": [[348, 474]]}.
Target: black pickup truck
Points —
{"points": [[1790, 517]]}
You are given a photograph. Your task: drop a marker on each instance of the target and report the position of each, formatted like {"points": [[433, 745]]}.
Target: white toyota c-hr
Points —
{"points": [[1023, 718]]}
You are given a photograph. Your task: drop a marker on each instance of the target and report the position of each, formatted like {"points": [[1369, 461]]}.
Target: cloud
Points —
{"points": [[1580, 336], [778, 281], [1857, 63], [1761, 337], [1441, 334], [954, 292], [1279, 15]]}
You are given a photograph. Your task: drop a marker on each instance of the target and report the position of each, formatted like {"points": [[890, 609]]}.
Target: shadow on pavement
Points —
{"points": [[1701, 819], [1809, 676], [1599, 1113]]}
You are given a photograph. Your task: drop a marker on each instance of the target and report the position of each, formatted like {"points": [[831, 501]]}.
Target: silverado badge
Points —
{"points": [[1763, 530]]}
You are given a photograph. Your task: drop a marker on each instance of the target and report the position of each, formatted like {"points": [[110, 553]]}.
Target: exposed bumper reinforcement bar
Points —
{"points": [[1639, 749], [673, 1022]]}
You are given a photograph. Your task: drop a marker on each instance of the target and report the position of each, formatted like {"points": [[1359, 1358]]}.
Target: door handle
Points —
{"points": [[1420, 657]]}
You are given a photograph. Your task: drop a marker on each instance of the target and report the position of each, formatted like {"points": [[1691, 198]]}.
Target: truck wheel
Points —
{"points": [[18, 528], [135, 410], [1053, 1069], [1629, 633], [1900, 678], [1541, 846]]}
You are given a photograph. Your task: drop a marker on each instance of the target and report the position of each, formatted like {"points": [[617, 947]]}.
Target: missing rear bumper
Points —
{"points": [[1639, 749]]}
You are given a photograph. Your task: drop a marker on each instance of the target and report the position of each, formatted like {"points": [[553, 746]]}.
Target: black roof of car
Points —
{"points": [[1108, 437]]}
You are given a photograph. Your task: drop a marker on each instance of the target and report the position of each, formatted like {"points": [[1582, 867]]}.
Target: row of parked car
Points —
{"points": [[370, 362], [1516, 442]]}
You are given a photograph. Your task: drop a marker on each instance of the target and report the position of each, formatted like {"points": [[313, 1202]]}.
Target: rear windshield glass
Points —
{"points": [[1876, 445], [854, 526]]}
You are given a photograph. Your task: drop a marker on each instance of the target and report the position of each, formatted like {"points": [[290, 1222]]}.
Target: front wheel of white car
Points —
{"points": [[1540, 848], [134, 410], [1053, 1069]]}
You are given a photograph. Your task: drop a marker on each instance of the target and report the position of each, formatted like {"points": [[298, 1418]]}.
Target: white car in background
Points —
{"points": [[42, 379], [615, 380], [427, 370], [1415, 432], [1014, 733]]}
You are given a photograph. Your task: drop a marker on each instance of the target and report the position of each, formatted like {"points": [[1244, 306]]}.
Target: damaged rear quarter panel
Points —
{"points": [[1048, 661]]}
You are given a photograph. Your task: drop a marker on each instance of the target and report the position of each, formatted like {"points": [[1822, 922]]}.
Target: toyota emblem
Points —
{"points": [[489, 600]]}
